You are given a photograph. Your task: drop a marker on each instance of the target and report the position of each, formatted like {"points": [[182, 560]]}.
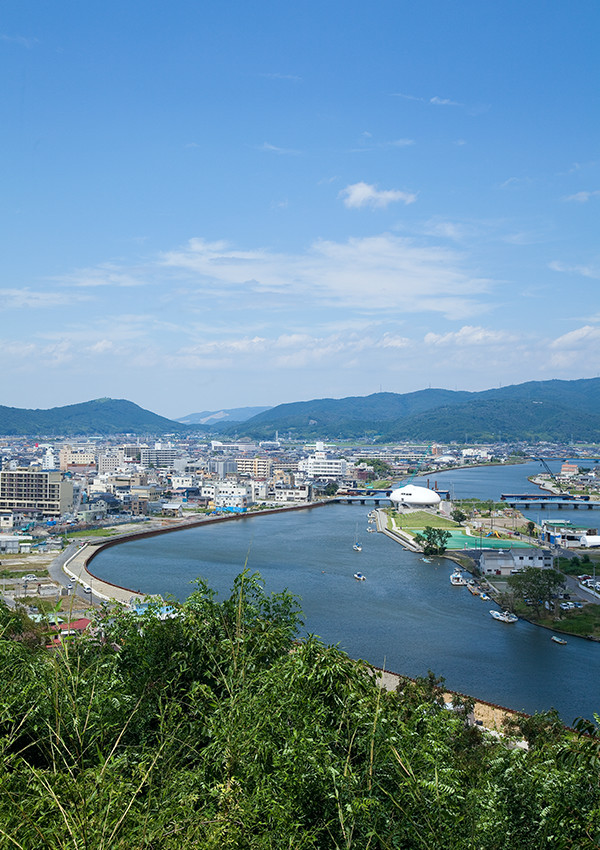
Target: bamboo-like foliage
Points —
{"points": [[214, 729]]}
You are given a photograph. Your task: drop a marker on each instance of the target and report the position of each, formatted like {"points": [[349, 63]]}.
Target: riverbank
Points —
{"points": [[77, 566]]}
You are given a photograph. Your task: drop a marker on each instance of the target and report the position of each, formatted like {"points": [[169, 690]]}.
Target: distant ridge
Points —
{"points": [[557, 411], [214, 417], [100, 416]]}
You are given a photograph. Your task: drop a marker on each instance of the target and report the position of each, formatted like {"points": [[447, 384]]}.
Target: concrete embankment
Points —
{"points": [[396, 534], [486, 714]]}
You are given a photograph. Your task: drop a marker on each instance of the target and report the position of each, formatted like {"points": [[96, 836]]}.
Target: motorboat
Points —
{"points": [[483, 595], [426, 560], [372, 530], [359, 577], [357, 547], [457, 579], [504, 616], [558, 639]]}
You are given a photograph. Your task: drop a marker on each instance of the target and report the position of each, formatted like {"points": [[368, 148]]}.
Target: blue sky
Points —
{"points": [[210, 205]]}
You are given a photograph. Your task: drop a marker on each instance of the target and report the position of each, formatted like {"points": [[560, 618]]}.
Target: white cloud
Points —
{"points": [[576, 349], [444, 101], [17, 299], [107, 274], [393, 341], [21, 40], [585, 271], [583, 197], [386, 272], [294, 78], [364, 194], [269, 148], [578, 338], [469, 335]]}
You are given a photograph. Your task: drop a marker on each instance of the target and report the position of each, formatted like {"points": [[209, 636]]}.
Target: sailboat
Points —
{"points": [[357, 546]]}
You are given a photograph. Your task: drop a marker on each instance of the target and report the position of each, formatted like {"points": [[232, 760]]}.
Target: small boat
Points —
{"points": [[426, 560], [359, 577], [483, 595], [457, 579], [557, 639], [372, 530], [504, 616], [357, 546]]}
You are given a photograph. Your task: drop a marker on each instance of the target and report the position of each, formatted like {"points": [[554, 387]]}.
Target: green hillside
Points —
{"points": [[100, 416], [537, 410]]}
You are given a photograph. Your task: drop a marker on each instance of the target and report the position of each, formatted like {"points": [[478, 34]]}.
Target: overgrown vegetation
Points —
{"points": [[212, 729]]}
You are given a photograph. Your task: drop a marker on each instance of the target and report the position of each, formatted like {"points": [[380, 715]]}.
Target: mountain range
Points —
{"points": [[556, 411]]}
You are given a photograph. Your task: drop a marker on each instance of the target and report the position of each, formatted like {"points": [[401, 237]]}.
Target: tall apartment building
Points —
{"points": [[320, 465], [35, 491], [257, 467], [76, 456], [158, 457]]}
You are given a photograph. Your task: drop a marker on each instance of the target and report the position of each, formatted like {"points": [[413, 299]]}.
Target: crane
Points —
{"points": [[550, 473]]}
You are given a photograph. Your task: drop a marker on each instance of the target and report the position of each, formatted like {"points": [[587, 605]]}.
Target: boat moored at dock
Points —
{"points": [[504, 616], [457, 579]]}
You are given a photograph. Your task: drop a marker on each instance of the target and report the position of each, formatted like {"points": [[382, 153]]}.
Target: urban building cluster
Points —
{"points": [[84, 482]]}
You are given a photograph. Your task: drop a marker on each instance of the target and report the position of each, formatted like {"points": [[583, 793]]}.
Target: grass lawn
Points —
{"points": [[581, 622], [422, 519], [93, 532]]}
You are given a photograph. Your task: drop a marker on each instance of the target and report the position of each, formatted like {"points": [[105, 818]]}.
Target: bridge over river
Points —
{"points": [[528, 500]]}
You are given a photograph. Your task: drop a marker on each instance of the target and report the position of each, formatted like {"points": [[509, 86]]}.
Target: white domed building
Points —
{"points": [[411, 496]]}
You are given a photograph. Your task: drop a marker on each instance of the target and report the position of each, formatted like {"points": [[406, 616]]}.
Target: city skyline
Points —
{"points": [[224, 206]]}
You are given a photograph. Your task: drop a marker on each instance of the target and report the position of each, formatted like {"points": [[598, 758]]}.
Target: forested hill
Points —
{"points": [[101, 416], [536, 410]]}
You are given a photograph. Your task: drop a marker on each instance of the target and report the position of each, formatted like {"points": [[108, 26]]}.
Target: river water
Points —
{"points": [[405, 617]]}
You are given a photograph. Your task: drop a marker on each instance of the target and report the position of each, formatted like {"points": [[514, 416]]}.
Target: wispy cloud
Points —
{"points": [[515, 182], [585, 271], [583, 197], [397, 273], [368, 143], [17, 299], [444, 101], [578, 337], [366, 195], [107, 274], [470, 336], [294, 78], [432, 101], [436, 101], [21, 40], [269, 148]]}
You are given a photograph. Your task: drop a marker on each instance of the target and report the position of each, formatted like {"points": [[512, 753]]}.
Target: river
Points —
{"points": [[405, 617]]}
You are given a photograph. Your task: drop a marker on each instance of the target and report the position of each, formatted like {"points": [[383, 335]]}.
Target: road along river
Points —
{"points": [[405, 617]]}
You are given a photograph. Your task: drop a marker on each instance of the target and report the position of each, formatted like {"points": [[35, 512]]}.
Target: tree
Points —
{"points": [[381, 469], [537, 585], [530, 528], [458, 515], [433, 540], [332, 488]]}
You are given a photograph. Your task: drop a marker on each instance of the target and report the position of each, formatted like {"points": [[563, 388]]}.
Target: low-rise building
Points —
{"points": [[504, 562]]}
